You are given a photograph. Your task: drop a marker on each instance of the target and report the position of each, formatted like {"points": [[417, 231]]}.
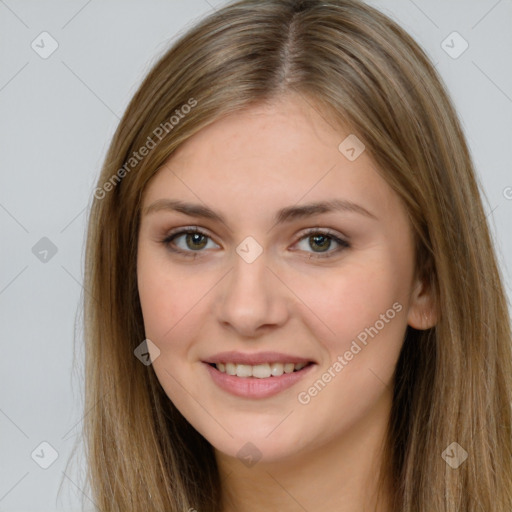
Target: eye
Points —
{"points": [[193, 241], [323, 240]]}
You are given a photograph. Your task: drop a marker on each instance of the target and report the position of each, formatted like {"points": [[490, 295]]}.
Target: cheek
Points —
{"points": [[167, 296], [170, 303], [365, 308], [157, 301], [362, 310], [344, 301]]}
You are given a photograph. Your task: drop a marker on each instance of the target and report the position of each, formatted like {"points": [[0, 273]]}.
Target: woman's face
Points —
{"points": [[270, 283]]}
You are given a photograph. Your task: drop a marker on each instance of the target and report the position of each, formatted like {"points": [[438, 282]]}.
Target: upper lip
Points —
{"points": [[255, 358]]}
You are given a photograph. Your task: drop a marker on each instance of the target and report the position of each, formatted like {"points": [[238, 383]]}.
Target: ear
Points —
{"points": [[422, 313]]}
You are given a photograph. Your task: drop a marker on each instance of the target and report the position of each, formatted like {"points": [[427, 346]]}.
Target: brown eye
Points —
{"points": [[195, 240], [189, 242], [321, 242]]}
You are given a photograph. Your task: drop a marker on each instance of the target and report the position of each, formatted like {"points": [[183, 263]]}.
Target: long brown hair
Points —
{"points": [[452, 382]]}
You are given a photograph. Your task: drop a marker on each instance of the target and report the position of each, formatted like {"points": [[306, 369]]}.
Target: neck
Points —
{"points": [[341, 474]]}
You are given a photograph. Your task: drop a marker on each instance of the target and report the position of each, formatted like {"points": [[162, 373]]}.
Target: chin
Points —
{"points": [[257, 443]]}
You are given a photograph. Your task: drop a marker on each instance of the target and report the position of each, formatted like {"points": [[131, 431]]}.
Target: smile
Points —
{"points": [[257, 381]]}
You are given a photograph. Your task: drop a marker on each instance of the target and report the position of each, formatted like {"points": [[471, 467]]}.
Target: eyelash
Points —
{"points": [[312, 231]]}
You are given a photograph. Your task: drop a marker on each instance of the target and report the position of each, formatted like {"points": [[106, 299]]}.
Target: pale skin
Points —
{"points": [[315, 456]]}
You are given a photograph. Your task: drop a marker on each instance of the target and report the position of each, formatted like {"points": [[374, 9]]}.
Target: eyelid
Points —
{"points": [[188, 229], [184, 230]]}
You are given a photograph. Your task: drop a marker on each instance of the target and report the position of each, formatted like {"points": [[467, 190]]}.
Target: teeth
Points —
{"points": [[243, 370], [260, 371], [289, 367], [276, 369]]}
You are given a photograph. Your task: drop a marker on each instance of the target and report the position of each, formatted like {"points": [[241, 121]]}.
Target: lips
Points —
{"points": [[258, 375], [258, 358]]}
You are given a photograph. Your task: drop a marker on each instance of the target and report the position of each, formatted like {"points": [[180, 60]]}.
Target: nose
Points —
{"points": [[251, 299]]}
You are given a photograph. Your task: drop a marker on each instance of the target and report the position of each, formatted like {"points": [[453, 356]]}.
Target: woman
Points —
{"points": [[294, 300]]}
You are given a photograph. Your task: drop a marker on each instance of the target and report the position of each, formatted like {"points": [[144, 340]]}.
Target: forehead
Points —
{"points": [[272, 154]]}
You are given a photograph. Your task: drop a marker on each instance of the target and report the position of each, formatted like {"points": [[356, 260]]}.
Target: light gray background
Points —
{"points": [[57, 117]]}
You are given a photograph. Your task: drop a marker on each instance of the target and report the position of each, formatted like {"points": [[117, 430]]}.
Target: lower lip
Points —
{"points": [[251, 387]]}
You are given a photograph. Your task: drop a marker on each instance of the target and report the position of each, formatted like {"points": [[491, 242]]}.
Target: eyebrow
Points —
{"points": [[288, 214]]}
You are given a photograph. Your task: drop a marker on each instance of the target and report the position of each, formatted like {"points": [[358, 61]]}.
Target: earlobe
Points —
{"points": [[422, 313]]}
